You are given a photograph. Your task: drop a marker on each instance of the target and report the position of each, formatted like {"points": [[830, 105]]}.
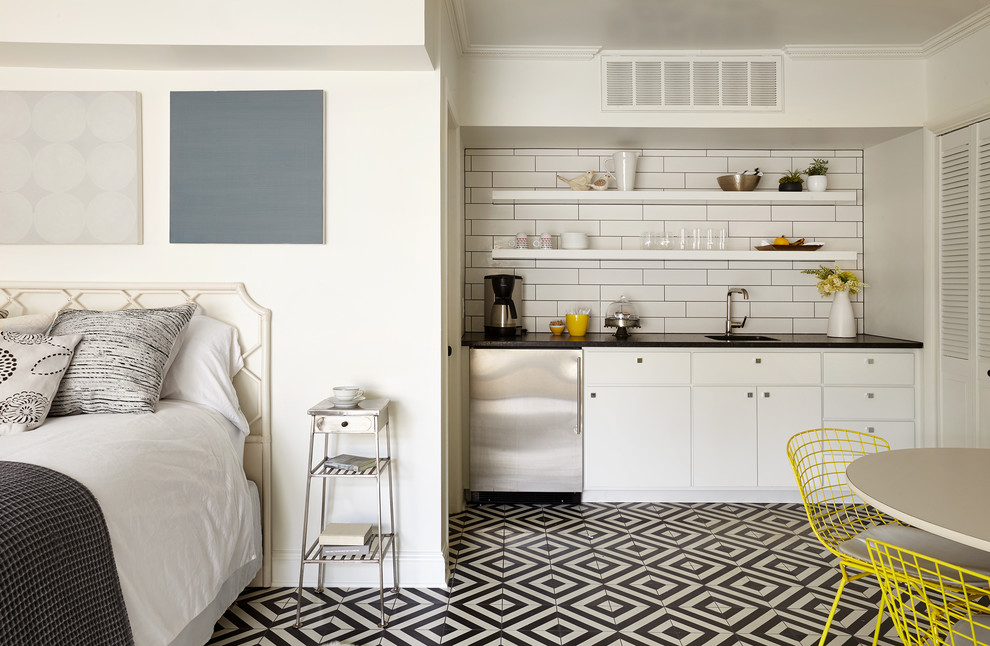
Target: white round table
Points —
{"points": [[942, 491]]}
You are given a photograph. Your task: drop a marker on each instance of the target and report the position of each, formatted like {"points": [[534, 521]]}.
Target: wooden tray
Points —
{"points": [[814, 246]]}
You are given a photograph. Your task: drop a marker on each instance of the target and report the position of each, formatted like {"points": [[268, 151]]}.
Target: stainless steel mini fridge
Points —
{"points": [[526, 442]]}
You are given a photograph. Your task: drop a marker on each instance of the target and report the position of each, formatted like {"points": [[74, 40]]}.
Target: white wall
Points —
{"points": [[894, 237], [958, 82], [215, 22], [832, 93], [352, 310]]}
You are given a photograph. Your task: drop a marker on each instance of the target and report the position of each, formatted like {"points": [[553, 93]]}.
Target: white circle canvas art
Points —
{"points": [[69, 168]]}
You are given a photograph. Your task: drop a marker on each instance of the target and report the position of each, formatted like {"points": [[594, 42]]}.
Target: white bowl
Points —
{"points": [[573, 240]]}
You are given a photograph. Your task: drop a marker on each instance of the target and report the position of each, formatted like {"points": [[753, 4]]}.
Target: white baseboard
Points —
{"points": [[416, 570], [761, 494]]}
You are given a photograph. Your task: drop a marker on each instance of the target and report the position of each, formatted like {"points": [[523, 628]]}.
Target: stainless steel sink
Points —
{"points": [[739, 337]]}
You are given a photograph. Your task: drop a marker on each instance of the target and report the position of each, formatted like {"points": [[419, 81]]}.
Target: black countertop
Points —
{"points": [[565, 342]]}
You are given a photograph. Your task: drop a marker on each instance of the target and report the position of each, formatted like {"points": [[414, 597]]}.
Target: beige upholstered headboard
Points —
{"points": [[228, 302]]}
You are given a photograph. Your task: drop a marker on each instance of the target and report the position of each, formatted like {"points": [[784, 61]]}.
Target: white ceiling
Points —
{"points": [[706, 24]]}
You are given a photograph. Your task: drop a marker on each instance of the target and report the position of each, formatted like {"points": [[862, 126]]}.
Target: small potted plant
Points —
{"points": [[791, 181], [817, 180]]}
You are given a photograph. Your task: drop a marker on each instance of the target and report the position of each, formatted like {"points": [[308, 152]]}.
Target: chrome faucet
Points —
{"points": [[729, 323]]}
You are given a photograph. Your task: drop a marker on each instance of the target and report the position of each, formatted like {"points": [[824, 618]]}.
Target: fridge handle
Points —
{"points": [[580, 398]]}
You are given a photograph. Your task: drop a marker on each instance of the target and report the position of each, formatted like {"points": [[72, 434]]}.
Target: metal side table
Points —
{"points": [[368, 417]]}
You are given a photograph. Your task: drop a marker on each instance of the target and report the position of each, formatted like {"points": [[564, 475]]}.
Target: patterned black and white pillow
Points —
{"points": [[120, 363], [31, 367]]}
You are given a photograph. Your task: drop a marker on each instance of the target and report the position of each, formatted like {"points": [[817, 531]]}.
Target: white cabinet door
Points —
{"points": [[636, 367], [863, 368], [782, 412], [724, 436], [757, 368], [637, 437], [899, 434]]}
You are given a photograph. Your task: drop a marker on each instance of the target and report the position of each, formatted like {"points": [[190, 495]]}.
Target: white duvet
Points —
{"points": [[175, 499]]}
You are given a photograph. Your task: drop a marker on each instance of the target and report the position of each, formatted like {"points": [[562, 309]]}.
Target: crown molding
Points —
{"points": [[457, 22], [955, 33], [960, 118], [523, 52], [855, 51]]}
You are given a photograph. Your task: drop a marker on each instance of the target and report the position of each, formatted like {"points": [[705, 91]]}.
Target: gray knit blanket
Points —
{"points": [[58, 580]]}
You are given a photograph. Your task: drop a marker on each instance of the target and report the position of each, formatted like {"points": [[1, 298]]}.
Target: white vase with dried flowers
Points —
{"points": [[839, 284]]}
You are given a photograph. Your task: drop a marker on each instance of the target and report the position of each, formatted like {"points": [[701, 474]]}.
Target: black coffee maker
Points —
{"points": [[502, 317]]}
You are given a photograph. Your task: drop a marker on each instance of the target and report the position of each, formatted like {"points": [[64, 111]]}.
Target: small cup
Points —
{"points": [[557, 329], [546, 241], [346, 393], [522, 241]]}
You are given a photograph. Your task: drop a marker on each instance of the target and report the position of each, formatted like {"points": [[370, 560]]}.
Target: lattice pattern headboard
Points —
{"points": [[228, 302]]}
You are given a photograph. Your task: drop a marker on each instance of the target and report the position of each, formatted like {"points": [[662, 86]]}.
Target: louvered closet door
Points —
{"points": [[981, 211], [958, 405]]}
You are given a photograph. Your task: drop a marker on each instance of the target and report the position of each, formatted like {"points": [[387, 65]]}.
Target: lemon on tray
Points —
{"points": [[782, 240]]}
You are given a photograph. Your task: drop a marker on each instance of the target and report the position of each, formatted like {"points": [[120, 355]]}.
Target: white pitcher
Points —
{"points": [[623, 166]]}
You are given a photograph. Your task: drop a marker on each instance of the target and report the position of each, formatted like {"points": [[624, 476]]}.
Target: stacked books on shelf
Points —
{"points": [[352, 463], [347, 539]]}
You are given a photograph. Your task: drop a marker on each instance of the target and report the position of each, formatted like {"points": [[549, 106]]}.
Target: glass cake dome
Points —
{"points": [[621, 315]]}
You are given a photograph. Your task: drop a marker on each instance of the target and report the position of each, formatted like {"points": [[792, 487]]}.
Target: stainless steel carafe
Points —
{"points": [[502, 315]]}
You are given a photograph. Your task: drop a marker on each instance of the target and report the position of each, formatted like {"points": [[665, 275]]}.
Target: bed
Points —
{"points": [[185, 525]]}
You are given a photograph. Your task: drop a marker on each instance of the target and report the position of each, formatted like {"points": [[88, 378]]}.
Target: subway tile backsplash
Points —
{"points": [[671, 295]]}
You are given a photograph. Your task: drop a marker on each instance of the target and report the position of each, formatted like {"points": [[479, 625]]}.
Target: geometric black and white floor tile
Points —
{"points": [[594, 574]]}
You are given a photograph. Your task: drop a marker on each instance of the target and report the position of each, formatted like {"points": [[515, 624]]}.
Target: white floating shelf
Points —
{"points": [[822, 255], [567, 196]]}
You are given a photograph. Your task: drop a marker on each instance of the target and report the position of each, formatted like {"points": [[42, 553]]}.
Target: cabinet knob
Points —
{"points": [[639, 359], [594, 395], [766, 394], [750, 395], [870, 429], [757, 360], [869, 395], [343, 424], [869, 361]]}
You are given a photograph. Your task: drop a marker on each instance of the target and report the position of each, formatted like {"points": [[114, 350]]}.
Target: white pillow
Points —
{"points": [[27, 324], [205, 364], [31, 367]]}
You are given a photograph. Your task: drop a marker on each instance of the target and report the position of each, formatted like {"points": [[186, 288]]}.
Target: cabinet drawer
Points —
{"points": [[868, 403], [639, 368], [756, 368], [344, 424], [900, 435], [869, 368]]}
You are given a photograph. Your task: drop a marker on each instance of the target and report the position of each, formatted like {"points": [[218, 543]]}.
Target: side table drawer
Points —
{"points": [[344, 423]]}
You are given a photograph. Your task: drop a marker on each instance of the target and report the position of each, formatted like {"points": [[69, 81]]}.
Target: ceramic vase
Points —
{"points": [[817, 183], [841, 322]]}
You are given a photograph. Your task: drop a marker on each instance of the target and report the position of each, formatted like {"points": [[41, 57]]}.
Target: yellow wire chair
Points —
{"points": [[819, 458], [932, 601], [842, 522]]}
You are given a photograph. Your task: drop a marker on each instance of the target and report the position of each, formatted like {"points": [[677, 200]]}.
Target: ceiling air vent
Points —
{"points": [[736, 83]]}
